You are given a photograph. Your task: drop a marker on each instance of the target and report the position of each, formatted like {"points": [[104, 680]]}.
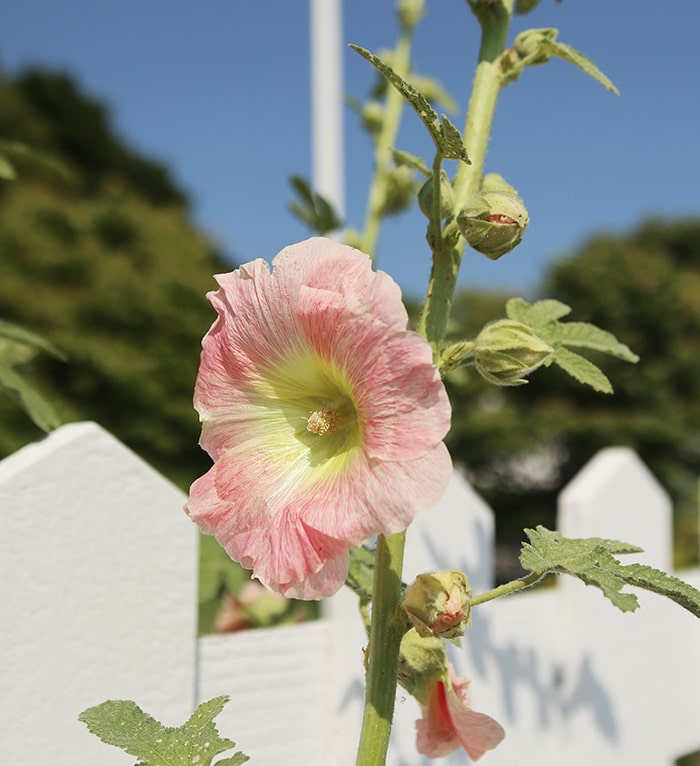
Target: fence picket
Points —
{"points": [[98, 572]]}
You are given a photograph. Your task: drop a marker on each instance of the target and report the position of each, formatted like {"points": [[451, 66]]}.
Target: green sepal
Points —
{"points": [[447, 139], [592, 560], [123, 724], [567, 53], [535, 46], [406, 159]]}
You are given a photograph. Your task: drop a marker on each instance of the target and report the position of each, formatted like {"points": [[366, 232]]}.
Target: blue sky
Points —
{"points": [[219, 90]]}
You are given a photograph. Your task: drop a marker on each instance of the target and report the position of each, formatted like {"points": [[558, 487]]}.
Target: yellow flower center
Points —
{"points": [[322, 422]]}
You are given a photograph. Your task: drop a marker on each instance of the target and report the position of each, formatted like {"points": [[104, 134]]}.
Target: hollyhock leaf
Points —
{"points": [[123, 724], [324, 416], [536, 315], [453, 143], [586, 335], [592, 560], [589, 559], [582, 370], [33, 403], [414, 97]]}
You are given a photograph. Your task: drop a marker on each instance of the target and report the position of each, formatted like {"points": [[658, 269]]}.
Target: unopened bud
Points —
{"points": [[532, 45], [505, 351], [400, 190], [438, 604], [495, 219], [410, 11], [372, 115], [426, 197], [421, 661]]}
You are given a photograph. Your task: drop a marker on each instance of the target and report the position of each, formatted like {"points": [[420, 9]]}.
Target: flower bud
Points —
{"points": [[438, 604], [400, 190], [410, 11], [447, 197], [532, 43], [421, 661], [372, 116], [506, 350], [495, 219]]}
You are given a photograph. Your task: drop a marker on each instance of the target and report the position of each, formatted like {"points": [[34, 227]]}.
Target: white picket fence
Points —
{"points": [[98, 579]]}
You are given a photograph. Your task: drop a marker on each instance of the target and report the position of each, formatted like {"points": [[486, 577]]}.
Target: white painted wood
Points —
{"points": [[97, 600], [98, 568]]}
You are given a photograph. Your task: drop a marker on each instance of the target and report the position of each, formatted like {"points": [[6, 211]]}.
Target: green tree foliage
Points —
{"points": [[104, 263], [522, 445], [49, 112]]}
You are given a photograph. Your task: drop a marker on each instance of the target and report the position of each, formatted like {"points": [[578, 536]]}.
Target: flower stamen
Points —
{"points": [[323, 422]]}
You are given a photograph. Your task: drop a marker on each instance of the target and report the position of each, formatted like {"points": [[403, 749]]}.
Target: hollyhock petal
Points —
{"points": [[323, 413], [449, 722]]}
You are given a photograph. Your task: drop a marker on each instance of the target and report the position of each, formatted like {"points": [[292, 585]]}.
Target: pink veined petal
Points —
{"points": [[448, 723], [320, 327], [477, 732]]}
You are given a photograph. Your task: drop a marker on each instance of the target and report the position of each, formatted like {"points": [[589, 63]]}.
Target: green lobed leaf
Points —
{"points": [[586, 335], [453, 147], [567, 53], [123, 724], [592, 560], [536, 315], [414, 97], [655, 580], [33, 403], [582, 370]]}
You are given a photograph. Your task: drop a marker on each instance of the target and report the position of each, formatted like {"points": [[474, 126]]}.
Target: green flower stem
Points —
{"points": [[388, 627], [447, 256], [507, 588], [387, 624], [385, 141]]}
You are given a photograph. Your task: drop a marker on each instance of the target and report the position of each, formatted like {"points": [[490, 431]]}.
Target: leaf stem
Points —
{"points": [[507, 588], [384, 642]]}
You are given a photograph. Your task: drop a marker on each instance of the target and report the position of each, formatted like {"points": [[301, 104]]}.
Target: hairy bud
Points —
{"points": [[495, 219], [505, 351], [438, 604], [426, 197]]}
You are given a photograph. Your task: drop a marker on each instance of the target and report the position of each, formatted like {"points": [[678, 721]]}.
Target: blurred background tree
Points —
{"points": [[105, 263]]}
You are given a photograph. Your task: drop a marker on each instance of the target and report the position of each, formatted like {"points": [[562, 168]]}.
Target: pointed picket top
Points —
{"points": [[98, 565], [458, 533], [616, 496]]}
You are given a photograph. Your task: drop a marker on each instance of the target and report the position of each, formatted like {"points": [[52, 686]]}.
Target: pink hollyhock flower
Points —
{"points": [[449, 723], [323, 413]]}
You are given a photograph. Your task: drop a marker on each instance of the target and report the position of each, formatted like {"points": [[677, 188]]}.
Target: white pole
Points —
{"points": [[327, 101]]}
